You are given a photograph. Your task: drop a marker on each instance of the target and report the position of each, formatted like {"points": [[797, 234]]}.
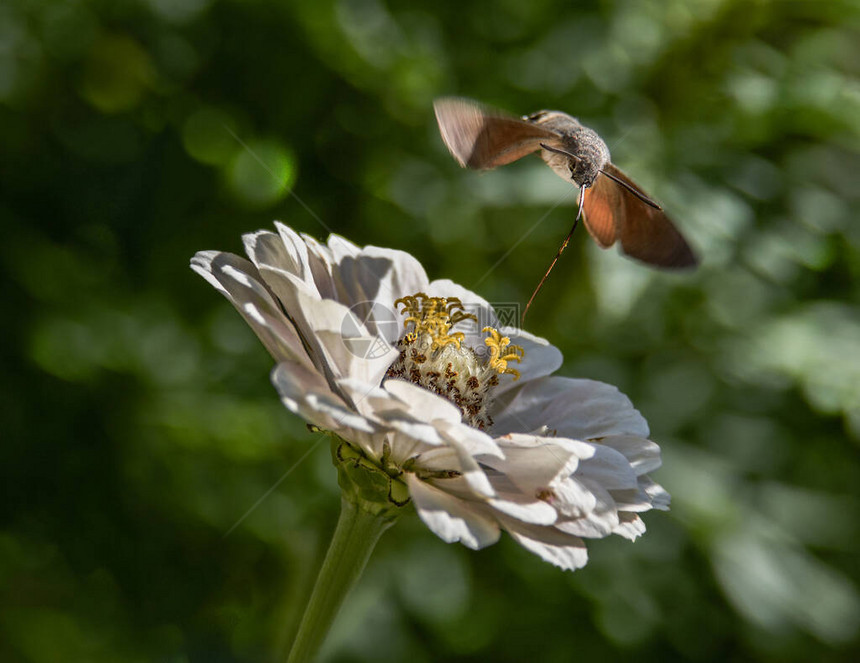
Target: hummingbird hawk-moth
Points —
{"points": [[615, 209]]}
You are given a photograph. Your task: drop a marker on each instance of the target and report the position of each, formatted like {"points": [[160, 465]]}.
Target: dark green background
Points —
{"points": [[138, 422]]}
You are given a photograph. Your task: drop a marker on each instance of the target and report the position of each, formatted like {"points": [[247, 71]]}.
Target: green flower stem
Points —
{"points": [[358, 529]]}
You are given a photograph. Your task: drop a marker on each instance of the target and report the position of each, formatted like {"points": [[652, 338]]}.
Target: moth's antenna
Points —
{"points": [[560, 151], [641, 196], [557, 256]]}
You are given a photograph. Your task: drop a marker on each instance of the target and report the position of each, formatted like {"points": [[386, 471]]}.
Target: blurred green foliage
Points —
{"points": [[139, 425]]}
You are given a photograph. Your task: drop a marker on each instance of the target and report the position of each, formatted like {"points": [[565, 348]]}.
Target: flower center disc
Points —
{"points": [[434, 357]]}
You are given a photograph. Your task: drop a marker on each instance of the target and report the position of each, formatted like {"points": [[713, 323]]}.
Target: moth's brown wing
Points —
{"points": [[482, 138], [645, 233], [602, 211]]}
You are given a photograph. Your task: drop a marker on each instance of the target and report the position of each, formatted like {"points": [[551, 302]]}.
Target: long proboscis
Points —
{"points": [[554, 260]]}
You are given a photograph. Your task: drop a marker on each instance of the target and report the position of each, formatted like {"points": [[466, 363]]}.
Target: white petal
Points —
{"points": [[474, 476], [608, 469], [599, 521], [453, 456], [533, 463], [292, 292], [370, 400], [267, 248], [573, 499], [563, 550], [341, 248], [597, 524], [423, 404], [365, 358], [417, 411], [202, 264], [306, 393], [417, 430], [472, 483], [283, 251], [238, 280], [635, 501], [394, 413], [578, 409], [276, 332], [322, 266], [331, 330], [404, 446], [642, 454], [389, 410], [660, 499], [382, 276], [524, 508], [459, 446], [473, 441], [630, 526], [449, 518], [313, 245]]}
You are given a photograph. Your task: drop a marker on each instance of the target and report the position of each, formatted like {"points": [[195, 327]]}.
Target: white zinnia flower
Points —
{"points": [[416, 377]]}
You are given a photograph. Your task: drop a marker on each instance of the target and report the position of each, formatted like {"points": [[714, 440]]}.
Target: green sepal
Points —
{"points": [[398, 493], [365, 483]]}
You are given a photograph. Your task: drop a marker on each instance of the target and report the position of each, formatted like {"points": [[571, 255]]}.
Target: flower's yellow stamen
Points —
{"points": [[501, 352], [434, 316], [441, 361]]}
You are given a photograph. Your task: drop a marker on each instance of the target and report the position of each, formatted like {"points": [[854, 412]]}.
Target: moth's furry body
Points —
{"points": [[590, 151]]}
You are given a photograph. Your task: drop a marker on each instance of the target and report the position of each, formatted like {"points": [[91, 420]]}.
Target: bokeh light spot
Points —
{"points": [[261, 174], [206, 136], [117, 74]]}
